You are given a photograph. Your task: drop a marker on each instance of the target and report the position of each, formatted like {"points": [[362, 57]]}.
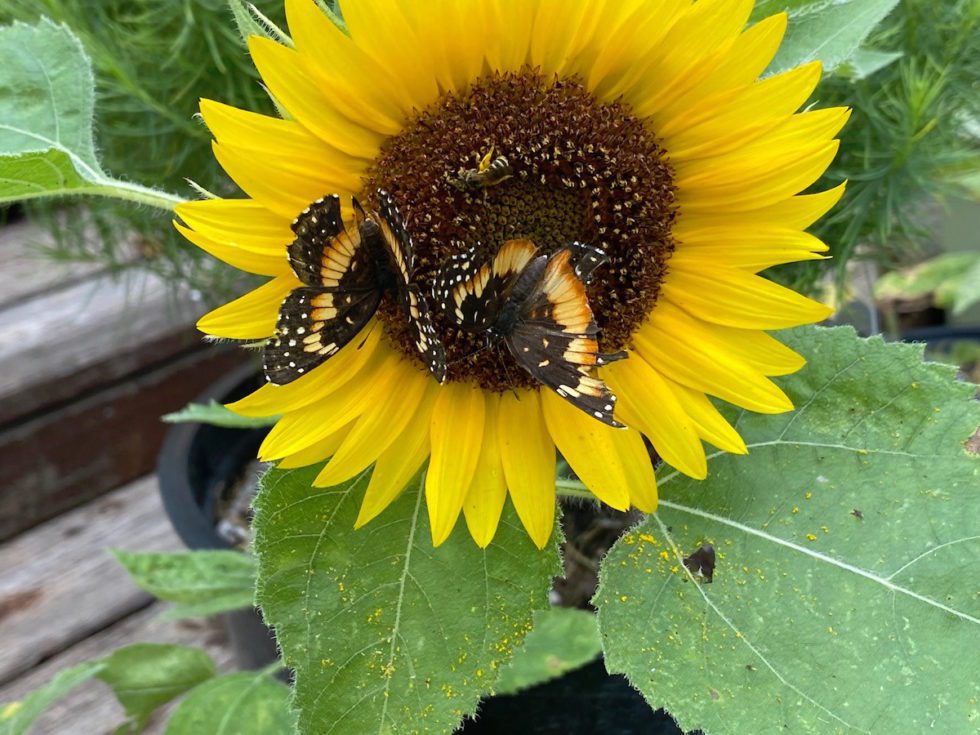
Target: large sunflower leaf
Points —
{"points": [[387, 634], [46, 114], [848, 560], [829, 30]]}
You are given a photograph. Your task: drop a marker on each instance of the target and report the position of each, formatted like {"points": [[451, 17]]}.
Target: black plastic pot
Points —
{"points": [[196, 463], [587, 701]]}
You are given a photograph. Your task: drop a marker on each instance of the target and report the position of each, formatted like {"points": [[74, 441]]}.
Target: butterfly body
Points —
{"points": [[537, 305], [345, 275]]}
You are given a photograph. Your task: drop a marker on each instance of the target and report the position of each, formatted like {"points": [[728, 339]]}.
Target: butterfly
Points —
{"points": [[538, 306], [346, 273]]}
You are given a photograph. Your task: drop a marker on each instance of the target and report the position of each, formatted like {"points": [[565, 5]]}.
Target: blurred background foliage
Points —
{"points": [[911, 141]]}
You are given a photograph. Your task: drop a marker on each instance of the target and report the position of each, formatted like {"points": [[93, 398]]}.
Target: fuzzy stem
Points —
{"points": [[573, 489], [130, 192]]}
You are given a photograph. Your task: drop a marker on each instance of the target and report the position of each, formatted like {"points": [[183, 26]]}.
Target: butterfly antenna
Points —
{"points": [[502, 361], [467, 356], [374, 323]]}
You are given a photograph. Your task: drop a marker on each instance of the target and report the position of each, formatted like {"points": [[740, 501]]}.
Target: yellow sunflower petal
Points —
{"points": [[751, 347], [609, 461], [488, 490], [316, 452], [736, 247], [382, 44], [380, 426], [738, 299], [797, 212], [678, 64], [253, 316], [455, 38], [456, 434], [299, 429], [527, 454], [647, 404], [284, 191], [749, 56], [250, 261], [398, 464], [727, 122], [623, 40], [284, 73], [242, 221], [708, 421], [357, 358], [772, 178], [362, 89], [705, 366]]}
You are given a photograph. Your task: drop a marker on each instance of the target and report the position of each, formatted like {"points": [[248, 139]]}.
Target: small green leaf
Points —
{"points": [[844, 596], [246, 703], [216, 414], [968, 290], [945, 276], [16, 718], [829, 31], [386, 633], [145, 676], [46, 115], [562, 640], [865, 62], [199, 583], [252, 22]]}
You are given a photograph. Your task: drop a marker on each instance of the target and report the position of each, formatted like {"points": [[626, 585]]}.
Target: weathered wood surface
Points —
{"points": [[25, 269], [92, 709], [57, 343], [61, 459], [59, 584]]}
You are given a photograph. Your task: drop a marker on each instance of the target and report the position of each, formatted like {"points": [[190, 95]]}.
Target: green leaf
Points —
{"points": [[252, 22], [562, 640], [246, 703], [829, 31], [968, 290], [386, 633], [16, 718], [46, 115], [844, 597], [145, 676], [946, 277], [199, 583], [865, 62], [216, 414]]}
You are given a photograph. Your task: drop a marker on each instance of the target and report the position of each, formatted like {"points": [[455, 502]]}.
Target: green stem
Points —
{"points": [[573, 489], [130, 192]]}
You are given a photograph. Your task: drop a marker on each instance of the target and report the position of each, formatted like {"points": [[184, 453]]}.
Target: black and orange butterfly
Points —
{"points": [[346, 274], [538, 306]]}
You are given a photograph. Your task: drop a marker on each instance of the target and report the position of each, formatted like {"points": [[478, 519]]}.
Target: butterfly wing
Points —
{"points": [[426, 340], [325, 254], [555, 340], [313, 325], [585, 259], [397, 243], [470, 293]]}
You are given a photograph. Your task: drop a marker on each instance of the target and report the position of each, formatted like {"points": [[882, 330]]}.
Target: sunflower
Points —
{"points": [[640, 127]]}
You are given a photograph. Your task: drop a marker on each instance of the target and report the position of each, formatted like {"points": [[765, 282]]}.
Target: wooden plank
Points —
{"points": [[59, 343], [61, 459], [59, 584], [26, 270], [92, 708]]}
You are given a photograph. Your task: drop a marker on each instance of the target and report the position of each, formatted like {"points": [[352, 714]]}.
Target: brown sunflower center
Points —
{"points": [[582, 171]]}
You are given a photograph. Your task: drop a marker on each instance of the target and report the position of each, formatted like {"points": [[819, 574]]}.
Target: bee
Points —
{"points": [[490, 172]]}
